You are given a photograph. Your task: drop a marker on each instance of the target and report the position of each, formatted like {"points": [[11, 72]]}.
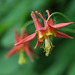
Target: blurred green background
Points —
{"points": [[14, 14]]}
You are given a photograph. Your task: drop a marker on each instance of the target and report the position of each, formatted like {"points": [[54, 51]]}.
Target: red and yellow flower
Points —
{"points": [[45, 33], [25, 47]]}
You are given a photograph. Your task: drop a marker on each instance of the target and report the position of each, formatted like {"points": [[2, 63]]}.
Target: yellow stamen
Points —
{"points": [[22, 59], [47, 11], [48, 46], [36, 11], [40, 14]]}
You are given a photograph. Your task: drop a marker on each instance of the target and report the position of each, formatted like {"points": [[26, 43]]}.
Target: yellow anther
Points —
{"points": [[22, 59], [32, 14], [47, 11], [36, 11], [40, 14], [48, 46]]}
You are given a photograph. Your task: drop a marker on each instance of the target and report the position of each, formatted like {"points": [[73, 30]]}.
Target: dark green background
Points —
{"points": [[14, 14]]}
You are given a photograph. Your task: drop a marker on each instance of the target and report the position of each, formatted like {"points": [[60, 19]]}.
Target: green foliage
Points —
{"points": [[16, 13]]}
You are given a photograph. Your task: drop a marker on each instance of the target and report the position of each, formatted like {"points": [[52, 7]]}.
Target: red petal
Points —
{"points": [[13, 51], [48, 13], [25, 34], [36, 21], [41, 29], [62, 35], [28, 38], [17, 37], [26, 49], [60, 25], [50, 21], [45, 22], [39, 14], [38, 43]]}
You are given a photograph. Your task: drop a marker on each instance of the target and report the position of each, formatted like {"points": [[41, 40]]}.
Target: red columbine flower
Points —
{"points": [[45, 33], [25, 47]]}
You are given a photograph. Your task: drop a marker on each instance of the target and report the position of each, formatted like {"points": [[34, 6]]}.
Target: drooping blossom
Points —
{"points": [[23, 48], [46, 32]]}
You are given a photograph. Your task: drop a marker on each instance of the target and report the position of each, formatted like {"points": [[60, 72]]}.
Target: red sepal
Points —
{"points": [[13, 51], [28, 38], [17, 37], [62, 35], [36, 21], [26, 49], [60, 25], [50, 21], [40, 15], [38, 43]]}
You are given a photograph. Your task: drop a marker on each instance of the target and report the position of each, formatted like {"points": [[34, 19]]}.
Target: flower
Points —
{"points": [[25, 47], [45, 33]]}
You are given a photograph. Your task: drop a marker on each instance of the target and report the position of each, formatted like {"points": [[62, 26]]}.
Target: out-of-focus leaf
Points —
{"points": [[20, 12], [62, 58], [7, 65], [70, 9], [10, 66], [71, 70], [8, 39], [16, 12]]}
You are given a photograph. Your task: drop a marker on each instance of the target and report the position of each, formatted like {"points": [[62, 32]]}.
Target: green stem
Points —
{"points": [[64, 29], [31, 21], [28, 23], [59, 14]]}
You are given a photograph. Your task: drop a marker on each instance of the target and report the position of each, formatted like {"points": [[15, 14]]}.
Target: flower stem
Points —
{"points": [[59, 14], [31, 22], [27, 23]]}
